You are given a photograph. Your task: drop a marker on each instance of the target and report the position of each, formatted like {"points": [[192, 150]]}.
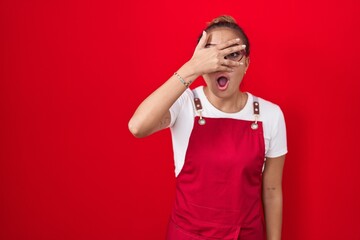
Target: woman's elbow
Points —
{"points": [[136, 129]]}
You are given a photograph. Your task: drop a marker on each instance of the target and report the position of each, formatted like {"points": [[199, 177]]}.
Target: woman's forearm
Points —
{"points": [[150, 116], [272, 199]]}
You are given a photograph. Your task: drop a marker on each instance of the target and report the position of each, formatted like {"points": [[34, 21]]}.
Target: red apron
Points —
{"points": [[218, 191]]}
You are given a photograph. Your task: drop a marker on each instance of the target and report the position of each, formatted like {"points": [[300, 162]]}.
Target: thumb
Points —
{"points": [[202, 41]]}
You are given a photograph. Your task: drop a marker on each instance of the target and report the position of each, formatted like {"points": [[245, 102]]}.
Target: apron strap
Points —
{"points": [[256, 105], [198, 108], [256, 108]]}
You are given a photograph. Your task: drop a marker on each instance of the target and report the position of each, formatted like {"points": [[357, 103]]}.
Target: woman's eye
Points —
{"points": [[234, 55]]}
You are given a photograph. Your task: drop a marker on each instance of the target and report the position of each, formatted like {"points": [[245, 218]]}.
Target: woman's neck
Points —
{"points": [[232, 104]]}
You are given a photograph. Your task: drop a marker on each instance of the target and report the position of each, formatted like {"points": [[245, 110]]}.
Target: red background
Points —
{"points": [[73, 72]]}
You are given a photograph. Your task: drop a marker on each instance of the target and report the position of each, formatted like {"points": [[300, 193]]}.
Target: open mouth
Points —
{"points": [[222, 82]]}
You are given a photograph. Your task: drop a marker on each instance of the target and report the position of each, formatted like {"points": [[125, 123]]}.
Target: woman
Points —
{"points": [[229, 145]]}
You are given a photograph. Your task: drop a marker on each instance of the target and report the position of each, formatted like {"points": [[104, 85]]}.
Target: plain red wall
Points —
{"points": [[73, 72]]}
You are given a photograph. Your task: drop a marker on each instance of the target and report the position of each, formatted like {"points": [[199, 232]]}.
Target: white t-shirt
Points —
{"points": [[182, 122]]}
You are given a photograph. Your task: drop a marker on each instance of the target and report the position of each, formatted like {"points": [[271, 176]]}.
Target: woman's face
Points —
{"points": [[225, 84]]}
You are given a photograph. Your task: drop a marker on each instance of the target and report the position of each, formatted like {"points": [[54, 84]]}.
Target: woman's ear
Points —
{"points": [[247, 63]]}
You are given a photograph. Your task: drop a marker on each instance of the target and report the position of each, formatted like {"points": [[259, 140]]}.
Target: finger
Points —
{"points": [[202, 41], [230, 63], [229, 43], [224, 69], [233, 49]]}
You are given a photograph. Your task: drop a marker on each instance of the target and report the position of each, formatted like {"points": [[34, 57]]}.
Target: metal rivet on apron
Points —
{"points": [[202, 121], [254, 126]]}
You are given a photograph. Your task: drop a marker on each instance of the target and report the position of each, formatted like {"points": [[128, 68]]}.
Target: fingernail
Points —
{"points": [[238, 39], [241, 63], [204, 33], [243, 46]]}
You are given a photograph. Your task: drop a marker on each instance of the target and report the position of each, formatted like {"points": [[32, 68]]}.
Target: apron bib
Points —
{"points": [[218, 191]]}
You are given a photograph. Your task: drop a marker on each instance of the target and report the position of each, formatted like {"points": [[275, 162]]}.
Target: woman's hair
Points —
{"points": [[229, 22]]}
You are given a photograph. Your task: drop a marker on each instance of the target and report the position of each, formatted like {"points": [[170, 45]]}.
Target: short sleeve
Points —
{"points": [[278, 142], [175, 109]]}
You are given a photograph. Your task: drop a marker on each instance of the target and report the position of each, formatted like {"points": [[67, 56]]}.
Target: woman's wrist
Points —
{"points": [[188, 72]]}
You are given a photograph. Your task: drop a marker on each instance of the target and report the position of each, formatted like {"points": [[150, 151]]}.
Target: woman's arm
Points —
{"points": [[272, 196], [153, 113]]}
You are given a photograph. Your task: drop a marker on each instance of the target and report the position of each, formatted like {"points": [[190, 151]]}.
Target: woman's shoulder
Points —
{"points": [[196, 91], [269, 111], [267, 105]]}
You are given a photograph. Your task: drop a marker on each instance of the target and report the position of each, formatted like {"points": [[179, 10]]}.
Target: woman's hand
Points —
{"points": [[212, 59]]}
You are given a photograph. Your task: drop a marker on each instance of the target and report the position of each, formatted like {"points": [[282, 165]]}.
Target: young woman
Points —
{"points": [[229, 146]]}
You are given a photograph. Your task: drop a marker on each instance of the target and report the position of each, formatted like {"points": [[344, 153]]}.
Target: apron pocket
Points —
{"points": [[199, 229]]}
